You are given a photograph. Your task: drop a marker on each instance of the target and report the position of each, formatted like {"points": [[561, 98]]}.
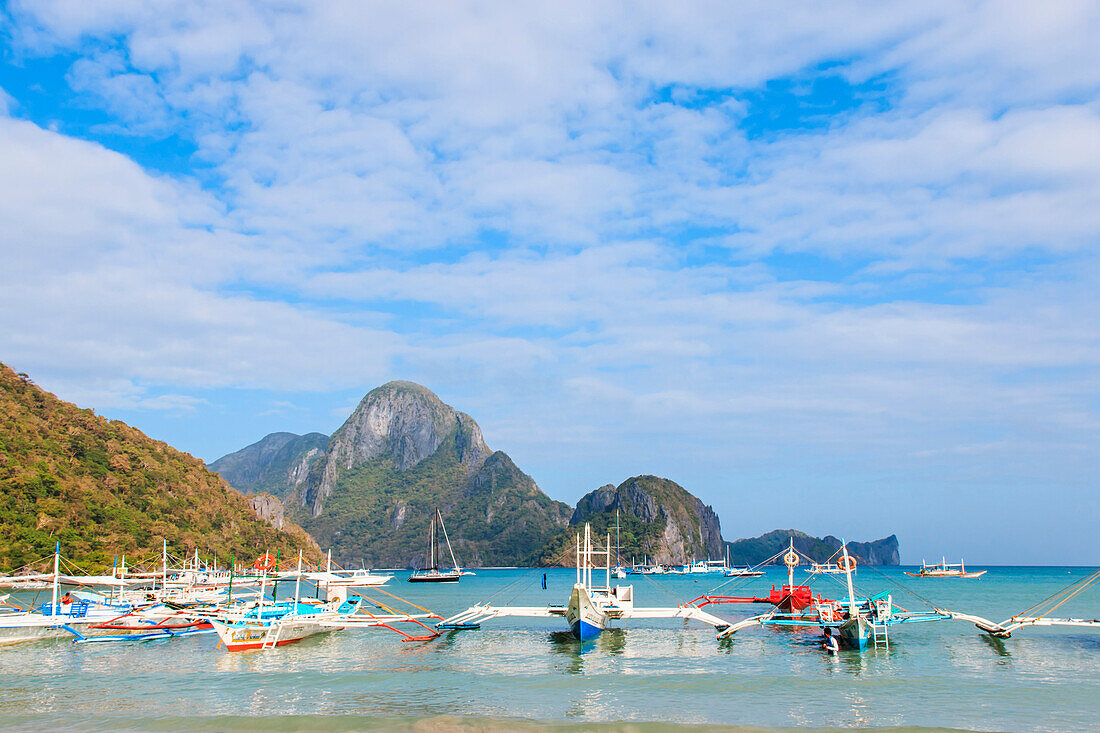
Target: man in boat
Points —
{"points": [[66, 599]]}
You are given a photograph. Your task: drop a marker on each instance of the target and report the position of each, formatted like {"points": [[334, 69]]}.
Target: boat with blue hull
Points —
{"points": [[592, 607]]}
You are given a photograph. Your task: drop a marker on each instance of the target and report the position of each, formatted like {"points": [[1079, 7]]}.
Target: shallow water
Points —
{"points": [[529, 674]]}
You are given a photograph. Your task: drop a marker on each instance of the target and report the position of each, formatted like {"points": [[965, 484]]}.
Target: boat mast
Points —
{"points": [[298, 581], [851, 589], [56, 576], [447, 539], [578, 558], [430, 559], [790, 569], [164, 565], [617, 562], [263, 589], [587, 556], [607, 564]]}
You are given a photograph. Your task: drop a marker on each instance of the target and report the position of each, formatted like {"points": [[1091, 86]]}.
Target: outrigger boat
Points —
{"points": [[285, 622], [718, 566], [432, 573], [789, 598], [742, 573], [591, 608], [73, 614], [857, 622], [945, 570]]}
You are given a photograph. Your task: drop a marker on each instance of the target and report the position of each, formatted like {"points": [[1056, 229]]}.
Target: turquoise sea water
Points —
{"points": [[529, 674]]}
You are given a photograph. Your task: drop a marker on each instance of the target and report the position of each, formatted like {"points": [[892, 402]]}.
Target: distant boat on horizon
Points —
{"points": [[945, 570]]}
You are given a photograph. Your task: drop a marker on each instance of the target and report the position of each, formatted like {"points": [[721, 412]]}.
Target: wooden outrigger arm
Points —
{"points": [[473, 617], [1004, 629], [1047, 606], [744, 624]]}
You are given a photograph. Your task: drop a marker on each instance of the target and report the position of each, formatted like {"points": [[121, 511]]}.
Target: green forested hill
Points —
{"points": [[379, 515], [104, 488], [658, 519]]}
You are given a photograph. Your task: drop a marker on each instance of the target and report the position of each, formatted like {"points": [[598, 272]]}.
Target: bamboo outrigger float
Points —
{"points": [[1044, 608], [591, 608]]}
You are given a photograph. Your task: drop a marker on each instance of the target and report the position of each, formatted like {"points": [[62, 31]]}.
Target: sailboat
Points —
{"points": [[432, 573], [620, 571]]}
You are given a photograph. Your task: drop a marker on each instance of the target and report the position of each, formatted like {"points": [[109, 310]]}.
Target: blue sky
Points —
{"points": [[831, 268]]}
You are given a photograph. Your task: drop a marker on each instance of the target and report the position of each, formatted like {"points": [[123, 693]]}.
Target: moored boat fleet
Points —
{"points": [[242, 607], [240, 604]]}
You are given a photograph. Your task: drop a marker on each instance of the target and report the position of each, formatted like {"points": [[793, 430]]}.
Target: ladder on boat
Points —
{"points": [[880, 632], [274, 641]]}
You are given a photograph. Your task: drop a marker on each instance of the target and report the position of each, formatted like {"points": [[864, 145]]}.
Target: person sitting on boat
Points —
{"points": [[830, 642]]}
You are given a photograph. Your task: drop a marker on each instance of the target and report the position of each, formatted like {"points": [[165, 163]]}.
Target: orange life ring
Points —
{"points": [[790, 559], [847, 564], [264, 562]]}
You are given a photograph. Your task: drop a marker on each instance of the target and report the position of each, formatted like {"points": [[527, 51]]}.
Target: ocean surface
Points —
{"points": [[528, 674]]}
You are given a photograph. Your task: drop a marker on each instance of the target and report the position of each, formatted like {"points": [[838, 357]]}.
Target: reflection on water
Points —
{"points": [[940, 674], [564, 643], [997, 645]]}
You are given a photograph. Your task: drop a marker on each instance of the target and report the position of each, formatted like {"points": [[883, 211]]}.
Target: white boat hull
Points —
{"points": [[586, 619], [16, 628], [244, 636]]}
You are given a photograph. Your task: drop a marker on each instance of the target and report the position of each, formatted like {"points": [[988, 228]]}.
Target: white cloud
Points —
{"points": [[503, 202]]}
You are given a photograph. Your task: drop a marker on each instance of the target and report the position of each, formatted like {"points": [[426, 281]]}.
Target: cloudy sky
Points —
{"points": [[829, 266]]}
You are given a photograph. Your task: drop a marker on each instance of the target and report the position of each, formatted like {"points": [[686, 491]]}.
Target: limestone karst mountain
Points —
{"points": [[279, 464], [658, 519], [369, 490], [370, 493]]}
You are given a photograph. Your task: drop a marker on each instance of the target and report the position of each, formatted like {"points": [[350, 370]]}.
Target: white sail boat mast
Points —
{"points": [[447, 539]]}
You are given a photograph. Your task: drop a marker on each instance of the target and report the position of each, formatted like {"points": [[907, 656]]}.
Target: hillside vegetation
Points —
{"points": [[658, 519], [379, 515], [103, 488], [370, 490]]}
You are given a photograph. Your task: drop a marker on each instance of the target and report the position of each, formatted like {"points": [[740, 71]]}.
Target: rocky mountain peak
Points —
{"points": [[404, 422], [686, 528]]}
